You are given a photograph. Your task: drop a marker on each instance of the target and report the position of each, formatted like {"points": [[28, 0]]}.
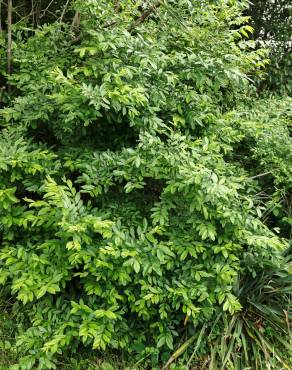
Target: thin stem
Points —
{"points": [[9, 37], [259, 175], [47, 8], [64, 11], [0, 17], [32, 11]]}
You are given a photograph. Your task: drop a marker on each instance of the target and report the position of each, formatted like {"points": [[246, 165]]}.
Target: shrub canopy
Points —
{"points": [[129, 208]]}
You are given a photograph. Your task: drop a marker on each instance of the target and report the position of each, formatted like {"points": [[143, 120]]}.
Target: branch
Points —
{"points": [[259, 175], [144, 16], [64, 11], [45, 10], [9, 37], [0, 17], [75, 22], [32, 11]]}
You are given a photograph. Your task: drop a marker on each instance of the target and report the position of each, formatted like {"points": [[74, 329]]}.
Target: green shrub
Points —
{"points": [[126, 217]]}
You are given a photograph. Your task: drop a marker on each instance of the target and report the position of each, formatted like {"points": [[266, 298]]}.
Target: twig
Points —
{"points": [[259, 175], [64, 11], [0, 17], [52, 14], [9, 37], [14, 9], [45, 10], [32, 10], [144, 16], [38, 12], [109, 24]]}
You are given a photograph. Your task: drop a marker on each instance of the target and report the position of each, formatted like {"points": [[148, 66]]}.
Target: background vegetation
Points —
{"points": [[145, 185]]}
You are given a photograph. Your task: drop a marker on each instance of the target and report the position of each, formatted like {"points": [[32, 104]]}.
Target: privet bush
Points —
{"points": [[127, 214]]}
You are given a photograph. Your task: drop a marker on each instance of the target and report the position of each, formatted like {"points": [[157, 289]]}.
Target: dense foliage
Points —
{"points": [[145, 193], [271, 20]]}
